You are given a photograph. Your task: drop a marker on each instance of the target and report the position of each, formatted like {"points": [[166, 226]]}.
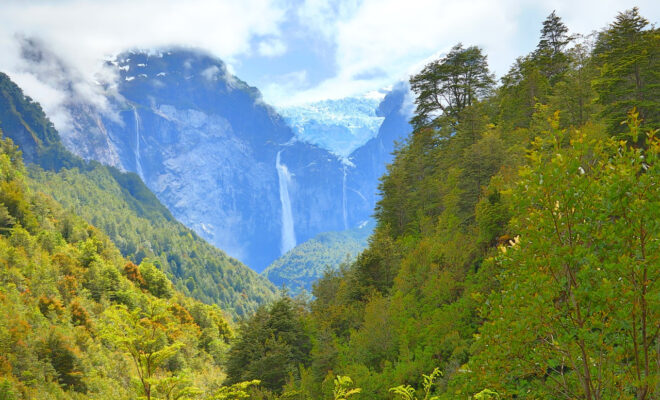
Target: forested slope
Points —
{"points": [[300, 267], [77, 320], [517, 239], [124, 208]]}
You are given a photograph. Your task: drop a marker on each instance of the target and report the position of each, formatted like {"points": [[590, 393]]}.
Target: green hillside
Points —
{"points": [[301, 266], [79, 321], [124, 208], [516, 255]]}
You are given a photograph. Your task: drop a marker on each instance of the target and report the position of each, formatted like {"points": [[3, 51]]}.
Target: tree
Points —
{"points": [[573, 94], [549, 53], [628, 58], [143, 336], [578, 311], [270, 346], [446, 86], [235, 392], [522, 88]]}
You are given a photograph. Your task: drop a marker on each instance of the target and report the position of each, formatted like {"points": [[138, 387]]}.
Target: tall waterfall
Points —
{"points": [[288, 233], [343, 199], [138, 163]]}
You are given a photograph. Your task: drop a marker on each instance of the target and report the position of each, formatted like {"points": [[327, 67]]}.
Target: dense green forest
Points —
{"points": [[303, 265], [124, 209], [517, 240], [77, 320]]}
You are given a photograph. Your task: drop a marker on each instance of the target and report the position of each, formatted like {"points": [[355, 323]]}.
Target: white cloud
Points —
{"points": [[323, 16], [211, 73], [271, 48], [280, 89], [373, 42], [84, 32], [398, 37]]}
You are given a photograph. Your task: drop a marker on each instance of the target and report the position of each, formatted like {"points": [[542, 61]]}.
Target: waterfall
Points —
{"points": [[288, 233], [343, 199], [138, 163]]}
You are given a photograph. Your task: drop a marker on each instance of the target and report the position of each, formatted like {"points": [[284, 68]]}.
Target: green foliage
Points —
{"points": [[407, 392], [155, 280], [23, 121], [445, 87], [143, 335], [487, 394], [516, 249], [270, 346], [141, 231], [549, 54], [305, 263], [577, 295], [236, 391], [73, 325], [627, 56], [121, 206], [343, 388], [516, 238]]}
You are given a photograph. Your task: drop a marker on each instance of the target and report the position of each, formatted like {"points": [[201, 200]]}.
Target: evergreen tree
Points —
{"points": [[628, 58], [270, 346], [446, 86], [549, 54]]}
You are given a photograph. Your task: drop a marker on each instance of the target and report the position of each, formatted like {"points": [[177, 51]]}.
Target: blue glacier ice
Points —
{"points": [[339, 126]]}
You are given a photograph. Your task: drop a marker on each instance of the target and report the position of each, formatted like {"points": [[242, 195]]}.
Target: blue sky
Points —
{"points": [[295, 51]]}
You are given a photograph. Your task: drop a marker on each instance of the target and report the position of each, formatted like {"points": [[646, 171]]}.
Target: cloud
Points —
{"points": [[358, 45], [397, 38], [84, 32], [271, 48], [284, 85], [323, 16], [211, 73]]}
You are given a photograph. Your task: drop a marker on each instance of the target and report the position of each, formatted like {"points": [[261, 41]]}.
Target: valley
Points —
{"points": [[384, 209]]}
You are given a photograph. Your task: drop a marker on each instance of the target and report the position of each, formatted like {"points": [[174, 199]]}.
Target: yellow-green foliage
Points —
{"points": [[77, 320], [141, 230], [121, 206]]}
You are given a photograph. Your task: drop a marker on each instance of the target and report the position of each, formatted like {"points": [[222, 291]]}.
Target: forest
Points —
{"points": [[516, 254]]}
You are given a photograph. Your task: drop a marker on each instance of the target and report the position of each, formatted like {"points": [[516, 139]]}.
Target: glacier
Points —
{"points": [[339, 126]]}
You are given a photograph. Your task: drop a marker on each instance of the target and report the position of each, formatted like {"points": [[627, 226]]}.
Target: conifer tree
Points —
{"points": [[549, 53], [446, 86], [628, 58]]}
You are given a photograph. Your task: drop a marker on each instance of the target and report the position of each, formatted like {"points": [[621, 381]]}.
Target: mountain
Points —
{"points": [[303, 265], [224, 163], [124, 208], [371, 159]]}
